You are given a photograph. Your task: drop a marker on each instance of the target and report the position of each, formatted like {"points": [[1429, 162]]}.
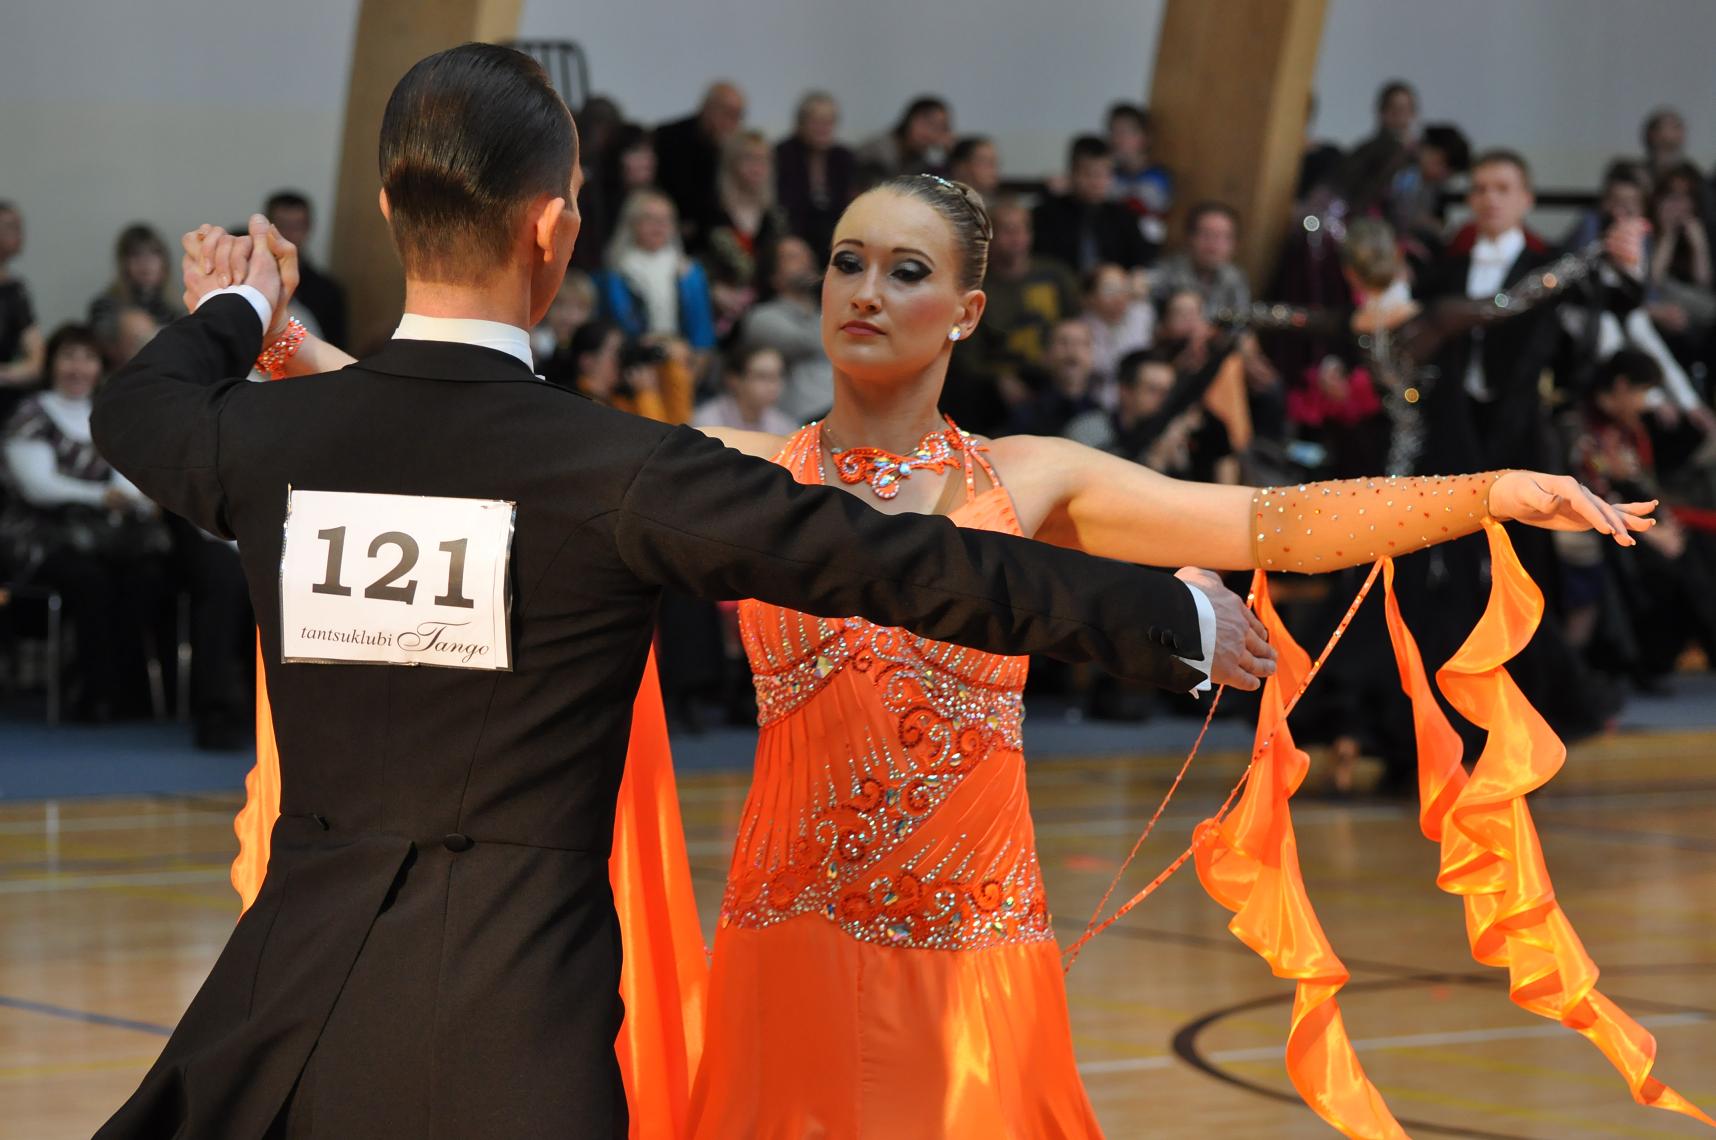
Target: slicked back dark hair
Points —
{"points": [[469, 137]]}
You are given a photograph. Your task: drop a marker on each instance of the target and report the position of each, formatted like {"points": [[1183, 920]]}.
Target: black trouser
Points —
{"points": [[223, 638], [111, 603]]}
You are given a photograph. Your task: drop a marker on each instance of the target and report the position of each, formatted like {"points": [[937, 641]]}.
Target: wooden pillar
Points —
{"points": [[1228, 104], [391, 36]]}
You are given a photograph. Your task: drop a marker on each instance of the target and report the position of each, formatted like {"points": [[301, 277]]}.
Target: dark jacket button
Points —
{"points": [[457, 842]]}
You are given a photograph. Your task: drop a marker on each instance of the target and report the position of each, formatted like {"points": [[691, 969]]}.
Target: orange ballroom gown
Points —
{"points": [[884, 965]]}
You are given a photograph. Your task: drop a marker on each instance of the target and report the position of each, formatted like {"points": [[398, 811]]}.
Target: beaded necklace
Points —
{"points": [[941, 448]]}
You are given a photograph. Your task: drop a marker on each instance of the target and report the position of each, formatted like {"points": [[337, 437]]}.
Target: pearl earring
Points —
{"points": [[954, 335]]}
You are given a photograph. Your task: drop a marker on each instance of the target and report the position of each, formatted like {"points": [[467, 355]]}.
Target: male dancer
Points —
{"points": [[434, 952]]}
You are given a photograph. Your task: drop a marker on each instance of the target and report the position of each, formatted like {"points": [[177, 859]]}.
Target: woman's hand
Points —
{"points": [[1561, 502]]}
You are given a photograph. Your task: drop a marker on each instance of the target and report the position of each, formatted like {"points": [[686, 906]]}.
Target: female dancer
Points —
{"points": [[885, 965]]}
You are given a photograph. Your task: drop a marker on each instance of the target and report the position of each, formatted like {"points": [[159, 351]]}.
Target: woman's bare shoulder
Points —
{"points": [[761, 444]]}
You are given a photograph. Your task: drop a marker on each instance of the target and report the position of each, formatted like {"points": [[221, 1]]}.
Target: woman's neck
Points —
{"points": [[892, 416]]}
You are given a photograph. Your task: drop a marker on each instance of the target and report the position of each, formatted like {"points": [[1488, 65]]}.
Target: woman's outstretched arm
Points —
{"points": [[1079, 497]]}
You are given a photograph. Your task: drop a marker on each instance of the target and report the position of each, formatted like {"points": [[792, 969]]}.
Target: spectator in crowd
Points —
{"points": [[1664, 137], [1683, 301], [1144, 187], [815, 175], [1121, 318], [918, 144], [1625, 197], [1086, 226], [1319, 168], [134, 328], [975, 162], [688, 152], [1415, 205], [650, 286], [1207, 266], [550, 342], [791, 324], [1371, 168], [1625, 193], [1212, 365], [755, 379], [1027, 296], [649, 378], [21, 344], [1064, 388], [599, 123], [1665, 600], [738, 241], [1180, 440], [140, 281], [82, 528], [320, 294], [625, 165], [1487, 411]]}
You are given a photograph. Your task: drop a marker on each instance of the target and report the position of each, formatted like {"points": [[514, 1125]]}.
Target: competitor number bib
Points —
{"points": [[395, 580]]}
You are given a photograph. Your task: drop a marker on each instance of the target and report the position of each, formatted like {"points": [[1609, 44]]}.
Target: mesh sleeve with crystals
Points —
{"points": [[1313, 527]]}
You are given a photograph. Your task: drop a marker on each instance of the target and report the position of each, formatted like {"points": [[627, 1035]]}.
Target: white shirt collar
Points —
{"points": [[510, 339], [1505, 249]]}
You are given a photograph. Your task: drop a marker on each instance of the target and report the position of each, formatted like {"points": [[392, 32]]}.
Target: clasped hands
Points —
{"points": [[262, 259]]}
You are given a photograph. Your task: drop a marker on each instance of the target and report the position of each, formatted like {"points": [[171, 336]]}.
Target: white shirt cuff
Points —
{"points": [[264, 311], [1206, 635]]}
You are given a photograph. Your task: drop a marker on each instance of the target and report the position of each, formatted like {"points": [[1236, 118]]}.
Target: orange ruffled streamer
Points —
{"points": [[1491, 855], [1249, 863], [665, 972]]}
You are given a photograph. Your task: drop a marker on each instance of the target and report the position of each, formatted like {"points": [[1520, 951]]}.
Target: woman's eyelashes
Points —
{"points": [[910, 271]]}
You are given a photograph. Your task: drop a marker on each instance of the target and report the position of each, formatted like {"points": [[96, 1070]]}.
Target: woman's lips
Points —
{"points": [[861, 328]]}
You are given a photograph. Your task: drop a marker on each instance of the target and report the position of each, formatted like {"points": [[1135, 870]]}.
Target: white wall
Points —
{"points": [[183, 111], [173, 112], [1565, 81], [1030, 79]]}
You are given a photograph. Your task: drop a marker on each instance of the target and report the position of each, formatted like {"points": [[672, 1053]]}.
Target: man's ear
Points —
{"points": [[386, 210], [548, 224]]}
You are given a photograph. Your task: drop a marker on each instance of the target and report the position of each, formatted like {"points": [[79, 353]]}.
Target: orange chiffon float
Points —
{"points": [[885, 966], [664, 970], [1491, 854]]}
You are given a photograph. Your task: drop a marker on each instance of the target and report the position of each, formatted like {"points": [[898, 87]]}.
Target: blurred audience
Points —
{"points": [[1086, 226], [1368, 175], [551, 342], [699, 235], [1063, 387], [815, 175], [140, 281], [918, 144], [1121, 318], [791, 324], [1027, 296], [1144, 187], [1207, 266], [688, 153], [21, 343], [755, 379], [80, 527], [318, 294], [649, 377], [975, 162], [738, 240], [650, 285]]}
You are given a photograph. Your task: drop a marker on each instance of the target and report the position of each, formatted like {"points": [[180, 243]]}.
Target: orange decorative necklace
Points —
{"points": [[884, 471]]}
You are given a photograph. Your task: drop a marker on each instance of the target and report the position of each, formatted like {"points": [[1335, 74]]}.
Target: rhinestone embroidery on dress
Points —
{"points": [[845, 845]]}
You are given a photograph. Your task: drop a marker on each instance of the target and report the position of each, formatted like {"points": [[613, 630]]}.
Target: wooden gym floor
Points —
{"points": [[111, 911]]}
